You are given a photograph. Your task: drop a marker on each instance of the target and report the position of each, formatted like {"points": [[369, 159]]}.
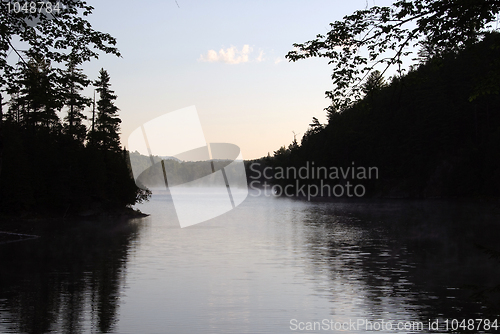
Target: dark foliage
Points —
{"points": [[431, 133], [380, 36], [107, 125], [47, 166], [51, 173]]}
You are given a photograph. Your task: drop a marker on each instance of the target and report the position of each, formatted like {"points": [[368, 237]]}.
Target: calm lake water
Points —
{"points": [[272, 265]]}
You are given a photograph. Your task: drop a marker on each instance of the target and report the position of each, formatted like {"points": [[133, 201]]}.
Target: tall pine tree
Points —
{"points": [[107, 125], [74, 81], [35, 100]]}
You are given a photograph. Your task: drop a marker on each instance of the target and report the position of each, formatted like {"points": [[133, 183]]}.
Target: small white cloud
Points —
{"points": [[260, 57], [278, 60], [229, 56], [211, 55], [246, 49]]}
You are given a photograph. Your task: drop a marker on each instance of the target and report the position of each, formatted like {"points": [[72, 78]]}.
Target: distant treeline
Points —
{"points": [[180, 172], [434, 132]]}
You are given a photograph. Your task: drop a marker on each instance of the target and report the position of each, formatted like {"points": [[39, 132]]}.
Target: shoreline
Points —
{"points": [[92, 214]]}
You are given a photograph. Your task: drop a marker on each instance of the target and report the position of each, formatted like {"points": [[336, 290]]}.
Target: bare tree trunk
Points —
{"points": [[1, 132], [93, 122]]}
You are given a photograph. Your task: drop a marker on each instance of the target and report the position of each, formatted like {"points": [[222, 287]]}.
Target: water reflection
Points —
{"points": [[69, 280], [405, 261], [254, 269]]}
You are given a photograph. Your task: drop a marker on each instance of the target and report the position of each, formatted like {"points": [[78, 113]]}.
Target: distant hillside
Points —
{"points": [[178, 172]]}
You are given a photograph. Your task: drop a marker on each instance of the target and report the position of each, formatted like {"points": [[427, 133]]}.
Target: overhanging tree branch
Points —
{"points": [[449, 25]]}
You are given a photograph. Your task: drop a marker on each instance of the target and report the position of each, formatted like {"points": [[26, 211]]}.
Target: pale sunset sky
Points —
{"points": [[224, 57]]}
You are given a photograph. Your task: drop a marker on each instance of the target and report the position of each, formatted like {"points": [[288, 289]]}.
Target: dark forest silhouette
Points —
{"points": [[61, 169], [52, 166], [434, 132]]}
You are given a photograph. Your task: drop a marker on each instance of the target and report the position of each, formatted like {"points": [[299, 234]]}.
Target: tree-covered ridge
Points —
{"points": [[431, 132], [47, 164], [63, 167], [180, 173]]}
